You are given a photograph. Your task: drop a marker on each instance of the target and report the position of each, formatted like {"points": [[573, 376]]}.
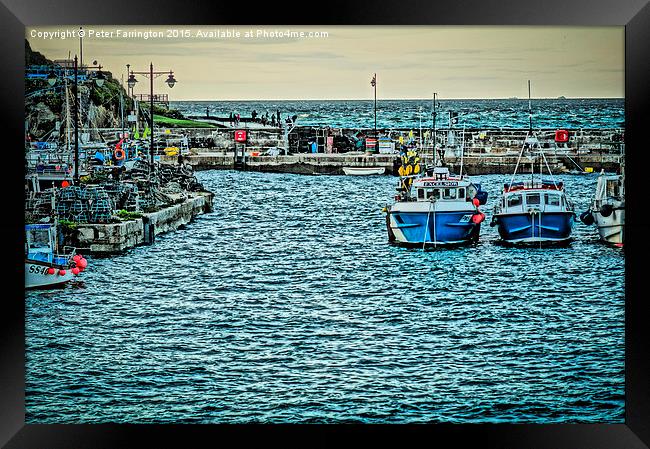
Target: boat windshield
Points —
{"points": [[446, 193], [39, 240], [533, 199], [514, 200]]}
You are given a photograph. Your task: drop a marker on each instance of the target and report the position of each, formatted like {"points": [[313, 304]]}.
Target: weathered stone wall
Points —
{"points": [[117, 237]]}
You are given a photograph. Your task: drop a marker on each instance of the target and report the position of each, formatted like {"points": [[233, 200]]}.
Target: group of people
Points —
{"points": [[274, 120]]}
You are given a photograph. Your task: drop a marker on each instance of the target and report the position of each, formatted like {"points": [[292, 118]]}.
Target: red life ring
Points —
{"points": [[561, 136], [119, 154]]}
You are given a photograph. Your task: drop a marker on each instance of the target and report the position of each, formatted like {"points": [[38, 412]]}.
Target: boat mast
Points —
{"points": [[530, 112], [433, 119]]}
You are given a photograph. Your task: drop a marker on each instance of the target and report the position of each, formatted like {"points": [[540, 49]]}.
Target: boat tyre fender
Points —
{"points": [[587, 217], [119, 154], [606, 210]]}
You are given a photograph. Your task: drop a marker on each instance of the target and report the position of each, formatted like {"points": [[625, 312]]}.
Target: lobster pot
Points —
{"points": [[79, 211], [63, 210], [101, 211]]}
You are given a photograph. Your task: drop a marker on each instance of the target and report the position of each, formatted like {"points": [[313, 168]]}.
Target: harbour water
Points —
{"points": [[287, 304], [509, 113]]}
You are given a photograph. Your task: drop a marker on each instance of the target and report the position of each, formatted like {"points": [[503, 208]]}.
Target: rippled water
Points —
{"points": [[547, 113], [286, 304]]}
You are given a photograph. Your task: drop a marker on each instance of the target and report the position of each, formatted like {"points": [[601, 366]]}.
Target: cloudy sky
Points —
{"points": [[410, 62]]}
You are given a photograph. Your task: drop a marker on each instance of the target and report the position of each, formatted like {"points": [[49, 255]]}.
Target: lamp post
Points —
{"points": [[171, 81], [99, 79]]}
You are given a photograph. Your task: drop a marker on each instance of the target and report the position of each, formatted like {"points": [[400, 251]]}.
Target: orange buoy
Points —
{"points": [[119, 154]]}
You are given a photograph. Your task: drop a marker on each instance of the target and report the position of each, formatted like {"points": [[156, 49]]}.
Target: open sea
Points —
{"points": [[287, 304], [511, 113]]}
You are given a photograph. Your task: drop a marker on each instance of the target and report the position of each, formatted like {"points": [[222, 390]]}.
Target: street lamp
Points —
{"points": [[51, 78], [131, 81], [171, 81], [100, 78]]}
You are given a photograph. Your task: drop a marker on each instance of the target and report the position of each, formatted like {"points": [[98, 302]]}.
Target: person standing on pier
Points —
{"points": [[273, 119], [277, 113], [254, 115]]}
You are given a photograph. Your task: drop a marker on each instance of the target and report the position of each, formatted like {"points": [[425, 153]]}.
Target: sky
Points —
{"points": [[411, 62]]}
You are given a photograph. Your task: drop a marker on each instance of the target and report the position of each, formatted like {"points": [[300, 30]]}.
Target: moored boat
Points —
{"points": [[434, 208], [607, 210], [45, 266], [534, 211], [364, 171]]}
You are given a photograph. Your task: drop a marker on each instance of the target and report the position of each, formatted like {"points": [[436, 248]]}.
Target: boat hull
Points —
{"points": [[432, 228], [548, 227], [363, 171], [611, 228], [36, 276]]}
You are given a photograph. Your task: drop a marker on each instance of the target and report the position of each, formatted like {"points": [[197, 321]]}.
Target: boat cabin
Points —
{"points": [[40, 244], [544, 198]]}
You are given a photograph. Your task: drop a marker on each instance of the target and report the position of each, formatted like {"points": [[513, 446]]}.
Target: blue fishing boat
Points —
{"points": [[434, 207], [534, 211]]}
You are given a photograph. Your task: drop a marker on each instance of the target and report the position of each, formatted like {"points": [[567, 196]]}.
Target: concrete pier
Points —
{"points": [[332, 164], [117, 237]]}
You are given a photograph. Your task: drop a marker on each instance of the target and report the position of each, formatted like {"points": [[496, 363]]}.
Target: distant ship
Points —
{"points": [[561, 97]]}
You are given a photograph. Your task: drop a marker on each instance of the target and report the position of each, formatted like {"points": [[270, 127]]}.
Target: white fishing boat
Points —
{"points": [[607, 210], [364, 171], [44, 265]]}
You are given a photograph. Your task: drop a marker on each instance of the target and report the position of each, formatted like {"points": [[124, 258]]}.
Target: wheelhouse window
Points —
{"points": [[449, 194], [39, 239], [420, 194], [514, 200], [612, 187], [461, 192], [551, 200], [433, 194], [533, 199]]}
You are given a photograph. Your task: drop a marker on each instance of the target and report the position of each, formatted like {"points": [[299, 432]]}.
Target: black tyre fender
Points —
{"points": [[606, 210]]}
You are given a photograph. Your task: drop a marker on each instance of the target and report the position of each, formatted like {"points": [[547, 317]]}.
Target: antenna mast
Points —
{"points": [[530, 111]]}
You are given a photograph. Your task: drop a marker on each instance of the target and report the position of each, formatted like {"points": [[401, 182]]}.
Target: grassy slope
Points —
{"points": [[172, 122]]}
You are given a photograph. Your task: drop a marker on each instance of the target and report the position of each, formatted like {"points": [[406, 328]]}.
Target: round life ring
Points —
{"points": [[119, 154]]}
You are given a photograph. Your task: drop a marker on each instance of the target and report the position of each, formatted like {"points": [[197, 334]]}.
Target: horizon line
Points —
{"points": [[398, 99]]}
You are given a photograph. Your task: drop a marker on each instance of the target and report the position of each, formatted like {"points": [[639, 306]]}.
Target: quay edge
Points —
{"points": [[117, 237], [332, 164]]}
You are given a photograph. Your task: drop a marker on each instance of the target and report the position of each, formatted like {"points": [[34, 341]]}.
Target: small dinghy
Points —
{"points": [[364, 171]]}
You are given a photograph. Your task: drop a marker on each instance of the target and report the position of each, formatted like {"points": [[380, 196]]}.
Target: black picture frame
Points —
{"points": [[633, 14]]}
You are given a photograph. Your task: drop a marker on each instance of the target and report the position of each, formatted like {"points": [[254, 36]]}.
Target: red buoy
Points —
{"points": [[82, 263], [76, 271], [476, 202], [50, 270], [62, 272], [478, 218], [65, 184], [76, 258]]}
